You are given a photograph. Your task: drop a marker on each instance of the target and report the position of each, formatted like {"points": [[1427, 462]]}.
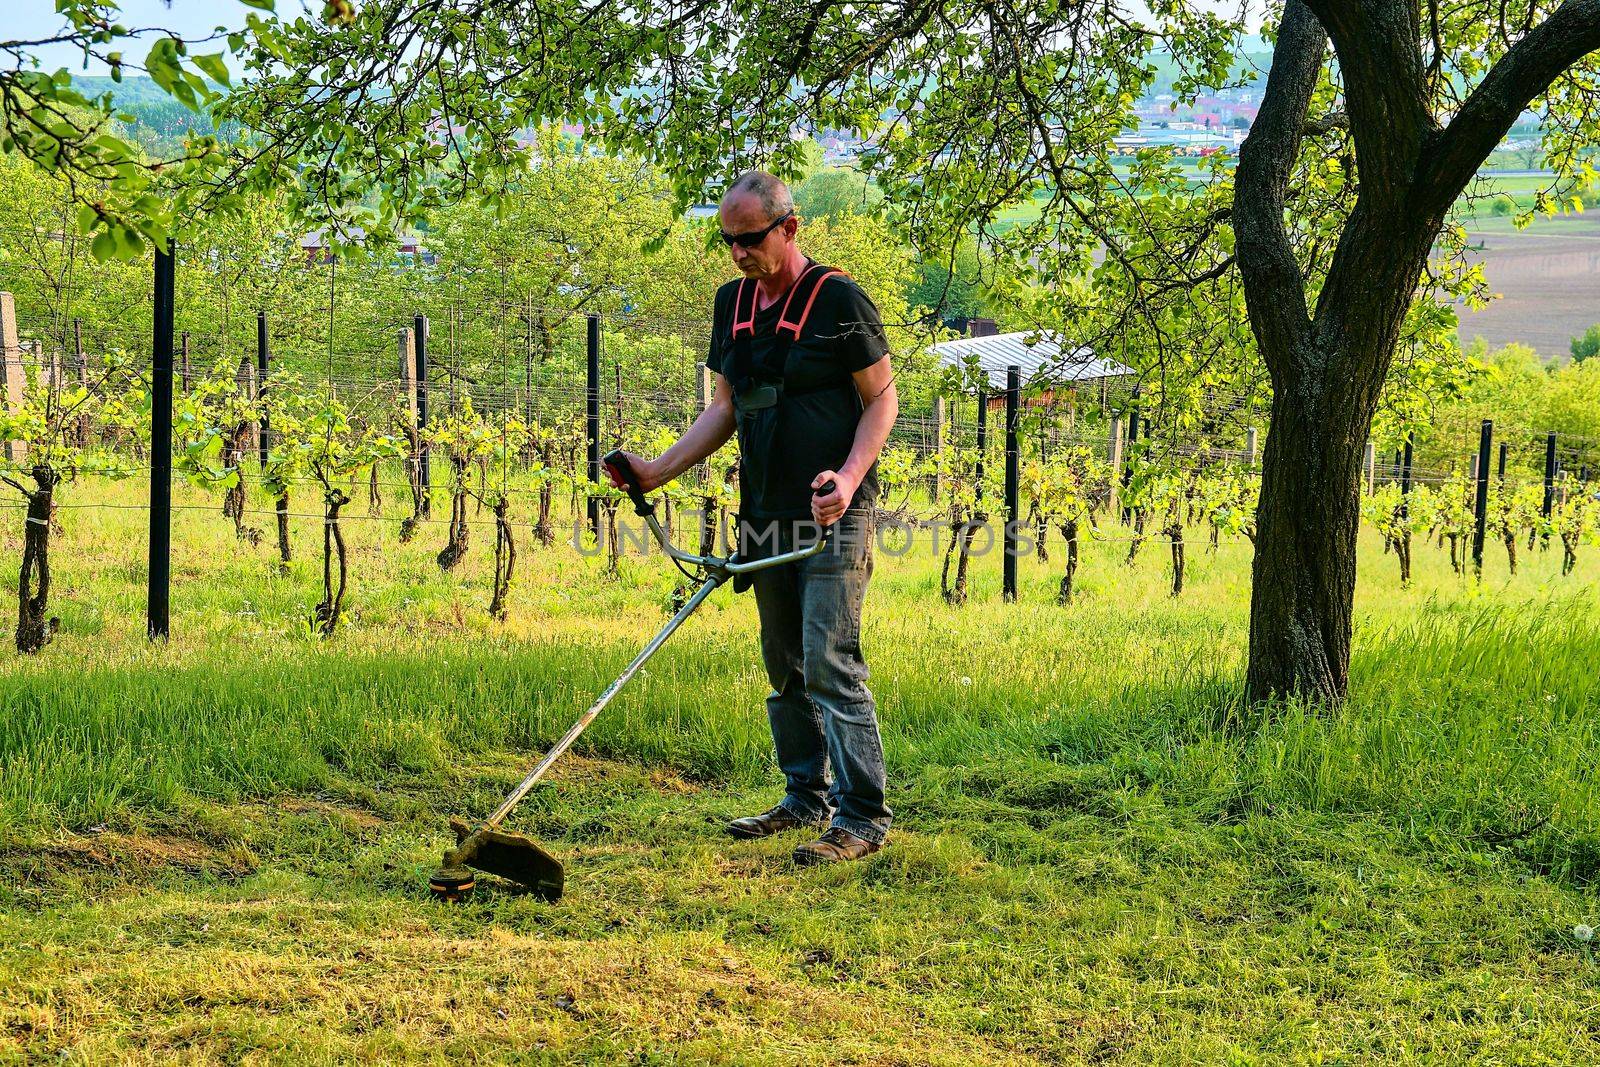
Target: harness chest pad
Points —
{"points": [[758, 386]]}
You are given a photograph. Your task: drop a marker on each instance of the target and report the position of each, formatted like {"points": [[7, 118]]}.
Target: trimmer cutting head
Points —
{"points": [[511, 856]]}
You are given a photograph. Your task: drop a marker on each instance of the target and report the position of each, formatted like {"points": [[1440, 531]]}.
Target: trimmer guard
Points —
{"points": [[511, 856]]}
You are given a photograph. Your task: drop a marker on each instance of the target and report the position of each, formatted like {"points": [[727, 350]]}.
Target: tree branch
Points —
{"points": [[1526, 70], [1276, 294], [1336, 120], [1385, 86]]}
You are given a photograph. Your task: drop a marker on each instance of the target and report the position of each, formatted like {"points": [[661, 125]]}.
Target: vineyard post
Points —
{"points": [[1370, 464], [983, 439], [1133, 439], [1114, 456], [1549, 473], [408, 377], [1013, 516], [158, 602], [11, 370], [938, 447], [1406, 460], [592, 420], [1251, 442], [263, 358], [1480, 505], [1504, 448], [419, 341]]}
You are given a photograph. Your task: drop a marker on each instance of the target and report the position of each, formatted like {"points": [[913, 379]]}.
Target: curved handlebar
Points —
{"points": [[617, 460]]}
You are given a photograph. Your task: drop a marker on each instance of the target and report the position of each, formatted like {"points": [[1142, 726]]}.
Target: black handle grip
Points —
{"points": [[827, 487], [617, 460]]}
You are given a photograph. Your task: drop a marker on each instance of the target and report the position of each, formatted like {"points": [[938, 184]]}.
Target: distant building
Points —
{"points": [[1040, 357], [315, 247]]}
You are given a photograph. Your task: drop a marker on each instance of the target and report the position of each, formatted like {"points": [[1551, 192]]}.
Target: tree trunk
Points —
{"points": [[455, 547], [505, 559], [1138, 536], [283, 531], [969, 530], [1304, 573], [708, 525], [326, 618], [543, 530], [410, 524], [608, 526], [1328, 361], [1069, 530], [1175, 535], [34, 627]]}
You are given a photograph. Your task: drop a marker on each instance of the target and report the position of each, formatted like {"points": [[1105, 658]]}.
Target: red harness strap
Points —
{"points": [[810, 281]]}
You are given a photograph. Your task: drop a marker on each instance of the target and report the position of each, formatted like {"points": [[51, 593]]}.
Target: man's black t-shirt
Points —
{"points": [[811, 429]]}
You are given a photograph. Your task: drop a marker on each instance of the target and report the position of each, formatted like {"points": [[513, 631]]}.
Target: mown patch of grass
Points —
{"points": [[217, 849]]}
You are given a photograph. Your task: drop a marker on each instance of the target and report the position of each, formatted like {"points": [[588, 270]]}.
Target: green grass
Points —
{"points": [[216, 850], [1478, 214]]}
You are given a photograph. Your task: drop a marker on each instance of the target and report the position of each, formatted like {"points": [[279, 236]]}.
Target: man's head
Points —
{"points": [[753, 203]]}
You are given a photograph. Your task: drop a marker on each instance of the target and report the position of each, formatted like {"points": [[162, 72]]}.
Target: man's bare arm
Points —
{"points": [[881, 406], [709, 433]]}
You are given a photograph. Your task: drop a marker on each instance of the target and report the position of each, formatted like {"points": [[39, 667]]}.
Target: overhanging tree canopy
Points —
{"points": [[1314, 252]]}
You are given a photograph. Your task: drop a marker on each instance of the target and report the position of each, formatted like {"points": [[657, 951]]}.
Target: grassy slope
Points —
{"points": [[218, 848]]}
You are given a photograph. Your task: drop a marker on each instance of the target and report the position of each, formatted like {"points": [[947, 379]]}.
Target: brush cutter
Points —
{"points": [[519, 859]]}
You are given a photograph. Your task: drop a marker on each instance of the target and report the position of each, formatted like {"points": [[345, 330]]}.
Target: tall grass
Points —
{"points": [[1473, 708]]}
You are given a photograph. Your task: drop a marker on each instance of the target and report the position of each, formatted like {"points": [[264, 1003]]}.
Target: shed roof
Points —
{"points": [[1038, 355]]}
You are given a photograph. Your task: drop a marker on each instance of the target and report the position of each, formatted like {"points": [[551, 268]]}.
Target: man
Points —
{"points": [[803, 376]]}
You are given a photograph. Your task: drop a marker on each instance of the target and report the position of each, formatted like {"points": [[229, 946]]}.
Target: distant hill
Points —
{"points": [[159, 122]]}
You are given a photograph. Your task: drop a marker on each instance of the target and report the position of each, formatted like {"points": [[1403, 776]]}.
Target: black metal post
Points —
{"points": [[1504, 449], [263, 359], [158, 603], [1549, 473], [1480, 506], [1127, 450], [983, 437], [419, 344], [1404, 463], [1009, 571], [592, 430]]}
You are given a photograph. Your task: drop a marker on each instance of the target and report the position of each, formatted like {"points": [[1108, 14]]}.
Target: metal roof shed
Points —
{"points": [[1038, 355]]}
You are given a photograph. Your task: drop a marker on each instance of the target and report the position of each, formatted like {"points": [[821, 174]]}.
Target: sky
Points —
{"points": [[29, 20]]}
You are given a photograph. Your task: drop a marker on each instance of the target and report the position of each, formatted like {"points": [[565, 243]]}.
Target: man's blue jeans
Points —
{"points": [[822, 713]]}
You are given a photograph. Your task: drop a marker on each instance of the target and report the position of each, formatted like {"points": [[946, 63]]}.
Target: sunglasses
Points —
{"points": [[754, 237]]}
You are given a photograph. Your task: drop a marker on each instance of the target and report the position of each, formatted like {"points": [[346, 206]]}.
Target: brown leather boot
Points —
{"points": [[834, 846], [775, 821]]}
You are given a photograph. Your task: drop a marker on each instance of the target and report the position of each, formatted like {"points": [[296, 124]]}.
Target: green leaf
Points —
{"points": [[214, 67]]}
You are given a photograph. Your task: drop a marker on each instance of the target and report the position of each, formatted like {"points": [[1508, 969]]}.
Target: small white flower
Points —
{"points": [[1583, 933], [965, 680]]}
